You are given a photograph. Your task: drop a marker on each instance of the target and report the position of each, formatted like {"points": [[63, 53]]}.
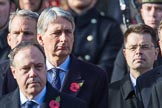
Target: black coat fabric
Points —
{"points": [[97, 39], [120, 67], [7, 82], [145, 84], [122, 94], [12, 100], [93, 91], [4, 47], [156, 96]]}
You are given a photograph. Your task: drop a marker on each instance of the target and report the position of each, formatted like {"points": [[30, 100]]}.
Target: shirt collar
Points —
{"points": [[133, 80], [64, 66], [38, 99]]}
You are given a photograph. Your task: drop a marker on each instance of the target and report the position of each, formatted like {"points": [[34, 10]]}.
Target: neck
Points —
{"points": [[57, 61], [137, 72]]}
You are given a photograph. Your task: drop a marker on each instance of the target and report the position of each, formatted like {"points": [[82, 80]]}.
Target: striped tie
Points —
{"points": [[56, 83], [29, 104]]}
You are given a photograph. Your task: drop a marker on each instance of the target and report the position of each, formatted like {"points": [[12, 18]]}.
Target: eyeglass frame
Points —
{"points": [[141, 46]]}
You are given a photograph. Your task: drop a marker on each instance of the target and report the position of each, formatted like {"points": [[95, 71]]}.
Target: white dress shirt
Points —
{"points": [[133, 80], [38, 99]]}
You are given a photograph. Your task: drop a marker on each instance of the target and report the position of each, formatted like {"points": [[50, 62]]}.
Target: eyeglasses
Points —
{"points": [[142, 47]]}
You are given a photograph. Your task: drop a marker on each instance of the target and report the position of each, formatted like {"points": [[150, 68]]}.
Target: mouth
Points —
{"points": [[33, 84], [139, 60], [61, 48]]}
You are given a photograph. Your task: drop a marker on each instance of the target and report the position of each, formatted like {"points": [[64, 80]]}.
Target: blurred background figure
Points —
{"points": [[33, 5], [6, 7], [97, 37]]}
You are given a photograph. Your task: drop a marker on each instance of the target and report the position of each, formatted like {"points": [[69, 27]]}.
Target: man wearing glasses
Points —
{"points": [[140, 51]]}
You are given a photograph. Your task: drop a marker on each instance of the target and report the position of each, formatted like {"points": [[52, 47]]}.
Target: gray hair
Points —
{"points": [[51, 14], [23, 45], [23, 13]]}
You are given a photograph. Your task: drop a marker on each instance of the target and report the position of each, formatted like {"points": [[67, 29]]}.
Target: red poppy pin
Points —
{"points": [[55, 103], [74, 87]]}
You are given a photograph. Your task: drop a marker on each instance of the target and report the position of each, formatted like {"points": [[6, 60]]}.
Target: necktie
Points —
{"points": [[56, 83], [29, 104]]}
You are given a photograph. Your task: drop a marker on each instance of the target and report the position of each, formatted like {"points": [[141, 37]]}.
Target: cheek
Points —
{"points": [[21, 80], [43, 77], [129, 57], [159, 16]]}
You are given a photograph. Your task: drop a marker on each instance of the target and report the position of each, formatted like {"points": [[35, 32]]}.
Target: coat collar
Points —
{"points": [[88, 15], [127, 88]]}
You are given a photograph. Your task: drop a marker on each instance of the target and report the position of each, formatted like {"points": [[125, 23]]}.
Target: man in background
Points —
{"points": [[22, 27], [97, 38]]}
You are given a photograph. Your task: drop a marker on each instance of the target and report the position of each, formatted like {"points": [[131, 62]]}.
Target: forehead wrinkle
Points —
{"points": [[22, 26]]}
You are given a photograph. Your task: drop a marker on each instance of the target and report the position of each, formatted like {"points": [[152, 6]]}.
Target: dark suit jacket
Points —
{"points": [[93, 91], [156, 96], [7, 82], [95, 87], [145, 84], [12, 100], [122, 94]]}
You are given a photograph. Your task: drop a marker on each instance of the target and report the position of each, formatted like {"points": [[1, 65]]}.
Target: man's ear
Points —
{"points": [[13, 71], [9, 39], [39, 39], [124, 52]]}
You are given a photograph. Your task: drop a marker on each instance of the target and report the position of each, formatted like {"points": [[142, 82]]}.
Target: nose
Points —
{"points": [[152, 12], [32, 72], [22, 37], [63, 36], [138, 50]]}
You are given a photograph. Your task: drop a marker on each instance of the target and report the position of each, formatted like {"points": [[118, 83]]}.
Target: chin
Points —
{"points": [[34, 92]]}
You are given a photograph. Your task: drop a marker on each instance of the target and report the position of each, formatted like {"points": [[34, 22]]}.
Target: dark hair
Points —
{"points": [[23, 45], [141, 29]]}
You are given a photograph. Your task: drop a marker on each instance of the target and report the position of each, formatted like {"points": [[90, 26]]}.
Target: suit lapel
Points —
{"points": [[51, 94], [73, 76], [13, 100]]}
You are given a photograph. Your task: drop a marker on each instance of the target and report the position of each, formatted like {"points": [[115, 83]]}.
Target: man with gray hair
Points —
{"points": [[64, 71], [22, 27]]}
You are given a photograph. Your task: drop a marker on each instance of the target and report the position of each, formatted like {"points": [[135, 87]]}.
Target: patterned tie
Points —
{"points": [[56, 83], [29, 104]]}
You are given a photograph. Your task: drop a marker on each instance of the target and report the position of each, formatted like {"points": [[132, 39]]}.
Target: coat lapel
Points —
{"points": [[51, 94], [127, 88], [73, 76], [13, 100]]}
